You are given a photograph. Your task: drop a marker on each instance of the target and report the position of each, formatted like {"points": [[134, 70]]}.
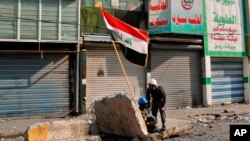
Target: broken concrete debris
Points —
{"points": [[115, 117]]}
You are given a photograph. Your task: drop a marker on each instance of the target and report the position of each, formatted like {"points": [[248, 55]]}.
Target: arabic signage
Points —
{"points": [[224, 29], [159, 16], [186, 16], [177, 16]]}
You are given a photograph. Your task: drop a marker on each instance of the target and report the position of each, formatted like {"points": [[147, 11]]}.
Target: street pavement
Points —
{"points": [[14, 127]]}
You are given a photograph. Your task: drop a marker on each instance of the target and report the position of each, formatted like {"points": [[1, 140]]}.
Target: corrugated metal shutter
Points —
{"points": [[227, 80], [30, 85], [179, 72], [105, 77]]}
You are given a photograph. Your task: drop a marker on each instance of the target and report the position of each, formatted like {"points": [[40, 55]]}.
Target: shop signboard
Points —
{"points": [[224, 29], [176, 16]]}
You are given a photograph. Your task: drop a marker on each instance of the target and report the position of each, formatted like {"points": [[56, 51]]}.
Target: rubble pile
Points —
{"points": [[234, 118], [115, 117]]}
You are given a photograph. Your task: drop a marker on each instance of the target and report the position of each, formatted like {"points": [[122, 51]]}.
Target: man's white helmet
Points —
{"points": [[153, 82]]}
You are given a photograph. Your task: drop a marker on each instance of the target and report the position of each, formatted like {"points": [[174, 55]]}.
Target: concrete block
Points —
{"points": [[38, 132], [58, 130], [119, 115]]}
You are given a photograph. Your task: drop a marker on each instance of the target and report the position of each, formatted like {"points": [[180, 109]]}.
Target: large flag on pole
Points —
{"points": [[134, 42]]}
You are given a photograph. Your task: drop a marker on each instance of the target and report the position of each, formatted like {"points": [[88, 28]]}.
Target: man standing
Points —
{"points": [[157, 94]]}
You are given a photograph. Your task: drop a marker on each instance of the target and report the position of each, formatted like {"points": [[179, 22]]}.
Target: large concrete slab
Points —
{"points": [[58, 130], [119, 115]]}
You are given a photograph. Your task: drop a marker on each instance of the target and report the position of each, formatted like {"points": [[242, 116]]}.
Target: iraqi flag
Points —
{"points": [[134, 42]]}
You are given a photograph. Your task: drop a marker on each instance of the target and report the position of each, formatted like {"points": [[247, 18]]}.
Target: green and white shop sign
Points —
{"points": [[224, 28]]}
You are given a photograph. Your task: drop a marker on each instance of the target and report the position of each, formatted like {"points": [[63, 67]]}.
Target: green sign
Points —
{"points": [[224, 29]]}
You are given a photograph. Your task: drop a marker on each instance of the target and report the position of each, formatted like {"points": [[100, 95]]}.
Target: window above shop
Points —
{"points": [[39, 20], [130, 5], [131, 12]]}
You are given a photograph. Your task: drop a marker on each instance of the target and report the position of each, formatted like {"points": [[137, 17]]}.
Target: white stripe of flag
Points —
{"points": [[131, 37]]}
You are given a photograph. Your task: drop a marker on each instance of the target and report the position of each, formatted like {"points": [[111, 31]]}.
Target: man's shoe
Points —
{"points": [[163, 128]]}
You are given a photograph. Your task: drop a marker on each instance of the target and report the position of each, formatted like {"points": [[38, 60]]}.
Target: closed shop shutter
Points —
{"points": [[31, 85], [227, 80], [179, 72], [105, 77]]}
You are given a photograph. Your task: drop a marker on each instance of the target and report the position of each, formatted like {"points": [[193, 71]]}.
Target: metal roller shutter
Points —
{"points": [[31, 85], [227, 80], [105, 77], [179, 72]]}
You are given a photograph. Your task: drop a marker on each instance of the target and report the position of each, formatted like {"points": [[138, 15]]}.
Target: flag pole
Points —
{"points": [[124, 72]]}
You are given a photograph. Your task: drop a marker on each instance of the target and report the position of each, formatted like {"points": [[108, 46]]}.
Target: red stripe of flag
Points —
{"points": [[116, 23]]}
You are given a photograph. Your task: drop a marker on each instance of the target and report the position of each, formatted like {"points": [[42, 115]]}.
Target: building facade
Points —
{"points": [[39, 57], [198, 54], [104, 75], [226, 62], [176, 48]]}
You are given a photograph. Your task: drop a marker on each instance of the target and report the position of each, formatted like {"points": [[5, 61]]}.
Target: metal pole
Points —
{"points": [[77, 77], [78, 62]]}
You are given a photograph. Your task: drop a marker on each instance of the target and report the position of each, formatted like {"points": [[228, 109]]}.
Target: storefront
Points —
{"points": [[176, 56], [34, 84], [39, 57], [104, 75], [179, 72], [227, 80], [226, 62]]}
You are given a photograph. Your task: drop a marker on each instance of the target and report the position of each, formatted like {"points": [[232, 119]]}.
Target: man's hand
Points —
{"points": [[162, 109]]}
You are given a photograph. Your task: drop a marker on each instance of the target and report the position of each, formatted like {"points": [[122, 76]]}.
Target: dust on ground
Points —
{"points": [[212, 128]]}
